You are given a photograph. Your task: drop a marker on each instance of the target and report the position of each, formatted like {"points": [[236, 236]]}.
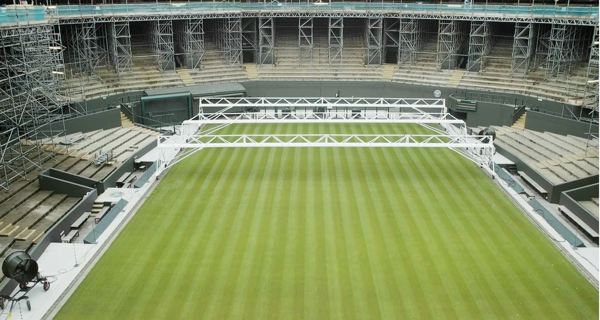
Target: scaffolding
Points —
{"points": [[523, 47], [479, 45], [305, 39], [249, 36], [374, 41], [391, 36], [162, 44], [591, 88], [233, 41], [85, 44], [561, 56], [409, 40], [119, 44], [266, 41], [193, 43], [31, 67], [450, 40], [336, 39], [541, 47]]}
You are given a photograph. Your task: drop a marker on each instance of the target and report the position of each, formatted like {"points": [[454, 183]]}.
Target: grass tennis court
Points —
{"points": [[330, 234]]}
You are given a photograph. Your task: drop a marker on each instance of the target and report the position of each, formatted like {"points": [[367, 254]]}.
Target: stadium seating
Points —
{"points": [[558, 158]]}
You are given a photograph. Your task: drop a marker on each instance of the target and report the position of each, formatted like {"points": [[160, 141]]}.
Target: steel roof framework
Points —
{"points": [[453, 133]]}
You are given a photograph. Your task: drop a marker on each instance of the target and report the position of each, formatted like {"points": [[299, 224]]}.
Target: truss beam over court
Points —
{"points": [[293, 102]]}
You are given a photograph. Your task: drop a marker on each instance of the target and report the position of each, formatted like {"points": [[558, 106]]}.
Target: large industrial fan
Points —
{"points": [[20, 267]]}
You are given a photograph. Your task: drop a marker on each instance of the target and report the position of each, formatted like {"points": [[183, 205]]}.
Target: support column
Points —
{"points": [[336, 40], [523, 47], [250, 37], [305, 39], [266, 40], [591, 88], [164, 50], [233, 41], [374, 41], [560, 50], [409, 40], [193, 43], [391, 37], [479, 45], [119, 40], [447, 45]]}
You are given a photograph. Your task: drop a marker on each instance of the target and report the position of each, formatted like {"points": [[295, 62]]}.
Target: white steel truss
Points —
{"points": [[523, 47], [162, 43], [336, 40], [479, 45], [374, 40], [451, 133], [305, 39], [439, 105], [266, 41]]}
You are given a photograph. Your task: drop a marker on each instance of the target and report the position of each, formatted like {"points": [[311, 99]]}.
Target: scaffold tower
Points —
{"points": [[591, 88], [523, 47], [479, 45], [266, 41], [162, 44], [31, 66], [233, 41], [193, 39], [374, 40], [409, 40], [336, 39], [119, 44], [305, 39]]}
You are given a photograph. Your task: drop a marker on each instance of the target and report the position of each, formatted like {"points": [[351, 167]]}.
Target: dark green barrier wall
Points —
{"points": [[546, 122]]}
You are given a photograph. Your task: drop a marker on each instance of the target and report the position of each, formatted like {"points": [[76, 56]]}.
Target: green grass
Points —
{"points": [[330, 234]]}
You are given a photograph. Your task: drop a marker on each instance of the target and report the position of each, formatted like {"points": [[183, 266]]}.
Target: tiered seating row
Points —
{"points": [[558, 159]]}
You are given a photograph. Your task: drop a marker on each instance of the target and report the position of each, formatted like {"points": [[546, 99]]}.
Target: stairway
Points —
{"points": [[520, 123], [388, 71], [125, 122], [455, 78], [251, 71], [185, 77]]}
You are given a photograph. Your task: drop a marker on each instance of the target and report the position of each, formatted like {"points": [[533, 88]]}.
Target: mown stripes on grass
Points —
{"points": [[330, 234]]}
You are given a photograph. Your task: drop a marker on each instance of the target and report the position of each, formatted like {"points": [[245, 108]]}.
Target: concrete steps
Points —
{"points": [[520, 123], [125, 122]]}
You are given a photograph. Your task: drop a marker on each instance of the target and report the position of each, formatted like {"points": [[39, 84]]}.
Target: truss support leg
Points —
{"points": [[233, 41], [409, 40], [266, 41], [374, 40], [193, 43], [336, 39], [119, 40], [523, 47], [479, 45], [164, 50], [305, 39]]}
